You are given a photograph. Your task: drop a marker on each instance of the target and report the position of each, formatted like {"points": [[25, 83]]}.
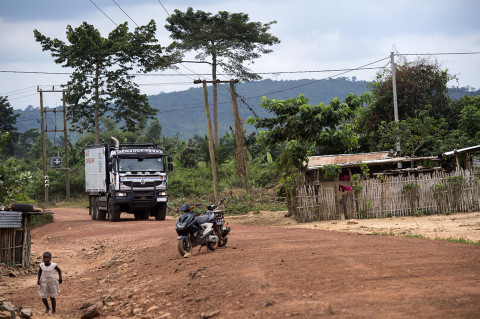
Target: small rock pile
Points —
{"points": [[8, 311]]}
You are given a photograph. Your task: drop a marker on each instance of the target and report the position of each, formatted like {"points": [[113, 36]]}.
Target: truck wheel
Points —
{"points": [[101, 214], [161, 212], [113, 211], [93, 207]]}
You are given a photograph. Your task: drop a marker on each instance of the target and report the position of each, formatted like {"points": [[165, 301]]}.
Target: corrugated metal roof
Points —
{"points": [[9, 219], [352, 160], [346, 158]]}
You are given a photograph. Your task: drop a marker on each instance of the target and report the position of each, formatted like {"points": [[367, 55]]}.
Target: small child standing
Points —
{"points": [[48, 281]]}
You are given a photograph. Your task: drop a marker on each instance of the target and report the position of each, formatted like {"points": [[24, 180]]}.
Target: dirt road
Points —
{"points": [[133, 267]]}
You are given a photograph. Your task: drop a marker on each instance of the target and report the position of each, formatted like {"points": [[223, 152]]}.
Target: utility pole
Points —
{"points": [[395, 105], [210, 140], [239, 137], [45, 130]]}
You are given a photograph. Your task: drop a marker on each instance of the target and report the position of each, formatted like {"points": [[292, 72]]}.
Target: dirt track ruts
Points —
{"points": [[264, 272]]}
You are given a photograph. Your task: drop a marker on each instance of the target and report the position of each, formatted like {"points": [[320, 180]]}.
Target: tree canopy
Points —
{"points": [[419, 83], [100, 83], [8, 128], [226, 40]]}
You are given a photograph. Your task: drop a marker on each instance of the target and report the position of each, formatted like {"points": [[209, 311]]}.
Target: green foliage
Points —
{"points": [[419, 83], [456, 181], [356, 180], [417, 135], [227, 39], [331, 171], [40, 220], [8, 129], [365, 170], [410, 187], [14, 183], [101, 80], [381, 177]]}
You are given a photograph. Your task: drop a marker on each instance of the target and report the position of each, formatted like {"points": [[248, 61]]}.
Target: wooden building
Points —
{"points": [[15, 241]]}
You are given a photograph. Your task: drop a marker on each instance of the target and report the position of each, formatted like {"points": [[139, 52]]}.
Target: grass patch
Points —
{"points": [[460, 240], [40, 220]]}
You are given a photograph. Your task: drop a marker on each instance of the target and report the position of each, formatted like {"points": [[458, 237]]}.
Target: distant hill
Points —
{"points": [[183, 111]]}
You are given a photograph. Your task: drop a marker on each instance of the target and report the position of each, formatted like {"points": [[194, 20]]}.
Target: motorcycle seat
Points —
{"points": [[201, 219]]}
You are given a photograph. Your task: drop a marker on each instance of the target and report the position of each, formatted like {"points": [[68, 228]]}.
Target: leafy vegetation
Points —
{"points": [[100, 81], [280, 138]]}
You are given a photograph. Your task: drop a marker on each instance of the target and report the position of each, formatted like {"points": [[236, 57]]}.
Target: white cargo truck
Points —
{"points": [[129, 178]]}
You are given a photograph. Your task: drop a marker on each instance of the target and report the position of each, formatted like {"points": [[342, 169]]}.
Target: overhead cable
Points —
{"points": [[104, 13], [125, 13]]}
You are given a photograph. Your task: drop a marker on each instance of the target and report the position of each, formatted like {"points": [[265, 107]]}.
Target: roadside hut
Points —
{"points": [[322, 199], [15, 242]]}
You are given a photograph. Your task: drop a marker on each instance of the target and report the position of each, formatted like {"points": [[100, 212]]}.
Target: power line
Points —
{"points": [[312, 82], [21, 97], [103, 13], [24, 89], [170, 16], [443, 53], [199, 74], [280, 91], [125, 13]]}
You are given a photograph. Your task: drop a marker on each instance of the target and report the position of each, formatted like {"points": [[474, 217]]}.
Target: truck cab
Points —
{"points": [[135, 181]]}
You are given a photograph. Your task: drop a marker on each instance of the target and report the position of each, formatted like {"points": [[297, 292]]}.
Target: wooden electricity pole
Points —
{"points": [[210, 140], [44, 131], [242, 168]]}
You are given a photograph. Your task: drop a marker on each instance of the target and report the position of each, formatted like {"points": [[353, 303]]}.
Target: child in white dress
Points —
{"points": [[47, 279]]}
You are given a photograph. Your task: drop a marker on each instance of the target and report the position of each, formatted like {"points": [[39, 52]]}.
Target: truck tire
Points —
{"points": [[93, 207], [101, 214], [161, 211], [113, 211]]}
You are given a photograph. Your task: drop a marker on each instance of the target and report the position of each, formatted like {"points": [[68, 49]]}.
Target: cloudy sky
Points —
{"points": [[315, 35]]}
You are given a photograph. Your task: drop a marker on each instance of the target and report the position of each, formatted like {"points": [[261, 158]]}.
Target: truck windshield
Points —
{"points": [[140, 164]]}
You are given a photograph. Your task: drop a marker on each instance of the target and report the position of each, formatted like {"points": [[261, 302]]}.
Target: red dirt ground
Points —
{"points": [[264, 272]]}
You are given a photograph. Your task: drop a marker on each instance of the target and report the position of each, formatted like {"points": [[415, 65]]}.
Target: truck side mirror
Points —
{"points": [[170, 167], [169, 159]]}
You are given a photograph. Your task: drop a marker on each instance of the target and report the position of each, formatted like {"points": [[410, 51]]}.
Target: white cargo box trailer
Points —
{"points": [[95, 169]]}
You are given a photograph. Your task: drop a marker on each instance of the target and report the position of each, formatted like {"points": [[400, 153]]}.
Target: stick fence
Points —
{"points": [[437, 192]]}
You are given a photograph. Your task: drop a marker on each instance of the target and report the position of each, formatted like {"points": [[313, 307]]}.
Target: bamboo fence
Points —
{"points": [[434, 193]]}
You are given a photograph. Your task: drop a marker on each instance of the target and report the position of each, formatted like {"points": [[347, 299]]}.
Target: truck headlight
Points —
{"points": [[121, 194], [162, 193]]}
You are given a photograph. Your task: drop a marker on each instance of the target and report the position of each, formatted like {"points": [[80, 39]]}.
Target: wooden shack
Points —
{"points": [[322, 199], [15, 241]]}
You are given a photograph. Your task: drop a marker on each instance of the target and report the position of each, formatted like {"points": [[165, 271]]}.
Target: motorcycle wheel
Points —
{"points": [[212, 246], [184, 247], [221, 240]]}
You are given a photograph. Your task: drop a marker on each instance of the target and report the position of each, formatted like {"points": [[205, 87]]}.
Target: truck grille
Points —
{"points": [[138, 184]]}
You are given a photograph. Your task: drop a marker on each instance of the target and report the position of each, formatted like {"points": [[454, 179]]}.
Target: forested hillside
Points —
{"points": [[183, 111]]}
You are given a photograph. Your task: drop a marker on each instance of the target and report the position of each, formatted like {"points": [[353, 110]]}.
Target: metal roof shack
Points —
{"points": [[15, 235], [378, 162]]}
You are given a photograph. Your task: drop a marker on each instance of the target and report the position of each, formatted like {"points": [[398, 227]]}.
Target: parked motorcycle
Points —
{"points": [[205, 229]]}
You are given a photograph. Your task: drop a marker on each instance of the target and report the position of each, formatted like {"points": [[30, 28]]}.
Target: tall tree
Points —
{"points": [[100, 82], [304, 130], [419, 83], [226, 40], [8, 129]]}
